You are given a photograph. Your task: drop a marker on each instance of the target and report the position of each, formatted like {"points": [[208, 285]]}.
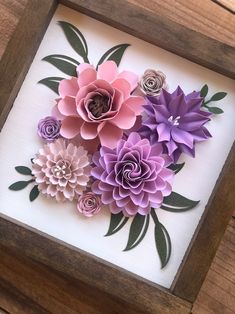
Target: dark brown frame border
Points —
{"points": [[76, 263]]}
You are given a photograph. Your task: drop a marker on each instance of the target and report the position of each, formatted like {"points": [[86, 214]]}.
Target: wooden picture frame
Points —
{"points": [[141, 293]]}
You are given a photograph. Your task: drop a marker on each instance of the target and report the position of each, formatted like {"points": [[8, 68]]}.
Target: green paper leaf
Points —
{"points": [[177, 203], [115, 54], [176, 167], [76, 39], [138, 229], [163, 243], [204, 91], [218, 96], [24, 170], [215, 110], [34, 193], [19, 185], [65, 64], [52, 83], [117, 221]]}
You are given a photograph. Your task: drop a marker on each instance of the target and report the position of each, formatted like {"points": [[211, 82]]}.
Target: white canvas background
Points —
{"points": [[19, 142]]}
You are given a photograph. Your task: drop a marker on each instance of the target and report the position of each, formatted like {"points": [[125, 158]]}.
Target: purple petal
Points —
{"points": [[163, 132], [181, 136]]}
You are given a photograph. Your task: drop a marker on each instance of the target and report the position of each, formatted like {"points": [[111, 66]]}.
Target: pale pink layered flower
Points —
{"points": [[98, 105], [89, 204], [61, 170]]}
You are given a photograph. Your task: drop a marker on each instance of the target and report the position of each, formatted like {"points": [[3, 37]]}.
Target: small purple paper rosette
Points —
{"points": [[49, 128]]}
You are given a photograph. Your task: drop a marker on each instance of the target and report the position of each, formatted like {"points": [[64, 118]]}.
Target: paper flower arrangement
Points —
{"points": [[113, 140]]}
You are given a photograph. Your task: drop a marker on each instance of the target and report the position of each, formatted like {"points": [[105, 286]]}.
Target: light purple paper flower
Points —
{"points": [[177, 121], [49, 128], [132, 177], [89, 204], [61, 170]]}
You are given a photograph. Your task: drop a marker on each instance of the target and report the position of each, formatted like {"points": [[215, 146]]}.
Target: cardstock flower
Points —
{"points": [[89, 204], [98, 104], [152, 82], [49, 128], [177, 121], [132, 177], [61, 171]]}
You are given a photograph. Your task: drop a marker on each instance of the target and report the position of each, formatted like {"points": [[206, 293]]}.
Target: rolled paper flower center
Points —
{"points": [[99, 105], [131, 171], [174, 121], [62, 169], [150, 82]]}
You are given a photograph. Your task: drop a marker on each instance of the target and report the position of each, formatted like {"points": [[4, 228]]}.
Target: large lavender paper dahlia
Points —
{"points": [[132, 177], [177, 121], [61, 170]]}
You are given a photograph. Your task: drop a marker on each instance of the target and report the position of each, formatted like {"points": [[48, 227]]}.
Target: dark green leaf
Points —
{"points": [[24, 170], [52, 83], [138, 229], [177, 203], [176, 167], [215, 110], [218, 96], [63, 63], [117, 221], [115, 54], [19, 185], [204, 91], [34, 193], [163, 243], [76, 39]]}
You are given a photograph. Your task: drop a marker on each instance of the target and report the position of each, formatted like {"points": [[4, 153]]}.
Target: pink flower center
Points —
{"points": [[62, 169], [99, 105]]}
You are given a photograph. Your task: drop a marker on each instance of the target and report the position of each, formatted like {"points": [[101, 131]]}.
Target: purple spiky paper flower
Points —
{"points": [[177, 121], [132, 177]]}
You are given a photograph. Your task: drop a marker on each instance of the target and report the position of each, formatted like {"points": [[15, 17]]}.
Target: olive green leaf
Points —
{"points": [[138, 229], [24, 170], [177, 203], [176, 167], [117, 221], [204, 91], [52, 83], [34, 193], [114, 54], [65, 64], [20, 185]]}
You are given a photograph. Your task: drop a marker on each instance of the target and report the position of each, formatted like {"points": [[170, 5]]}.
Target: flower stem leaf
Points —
{"points": [[218, 96], [117, 221], [34, 193], [215, 110], [24, 170], [177, 203], [52, 83], [19, 185], [163, 243], [204, 91], [138, 229], [114, 54], [65, 64], [176, 167], [76, 39]]}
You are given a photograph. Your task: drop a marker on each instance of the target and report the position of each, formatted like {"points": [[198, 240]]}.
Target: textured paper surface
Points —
{"points": [[19, 142]]}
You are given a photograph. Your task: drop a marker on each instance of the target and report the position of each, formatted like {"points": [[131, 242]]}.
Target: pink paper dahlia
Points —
{"points": [[98, 105], [61, 171]]}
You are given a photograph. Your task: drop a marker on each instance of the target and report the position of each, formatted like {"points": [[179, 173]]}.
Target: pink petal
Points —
{"points": [[130, 77], [110, 135], [83, 66], [86, 77], [70, 127], [135, 103], [123, 86], [91, 145], [82, 93], [68, 87], [107, 71], [67, 106], [88, 130], [125, 119], [55, 113]]}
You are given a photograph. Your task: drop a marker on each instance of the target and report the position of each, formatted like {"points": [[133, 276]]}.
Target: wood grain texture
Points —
{"points": [[93, 271], [161, 31], [209, 300]]}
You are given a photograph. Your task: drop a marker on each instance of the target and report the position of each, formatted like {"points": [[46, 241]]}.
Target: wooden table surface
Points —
{"points": [[30, 287]]}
